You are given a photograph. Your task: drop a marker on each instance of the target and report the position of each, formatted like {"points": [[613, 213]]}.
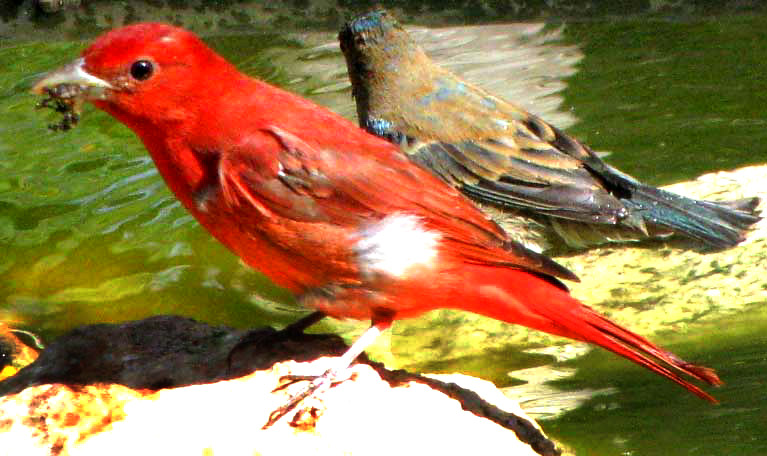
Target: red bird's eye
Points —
{"points": [[141, 70]]}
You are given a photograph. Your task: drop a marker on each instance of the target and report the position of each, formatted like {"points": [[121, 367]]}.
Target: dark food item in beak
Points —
{"points": [[65, 99]]}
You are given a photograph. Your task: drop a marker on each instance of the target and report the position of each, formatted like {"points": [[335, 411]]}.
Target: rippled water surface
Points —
{"points": [[89, 233]]}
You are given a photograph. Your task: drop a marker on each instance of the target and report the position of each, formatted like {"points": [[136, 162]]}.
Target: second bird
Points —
{"points": [[544, 187]]}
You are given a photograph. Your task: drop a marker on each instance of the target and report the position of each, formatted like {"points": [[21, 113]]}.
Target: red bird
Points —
{"points": [[338, 216]]}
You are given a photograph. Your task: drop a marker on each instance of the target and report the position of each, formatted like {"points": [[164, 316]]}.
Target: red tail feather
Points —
{"points": [[519, 297]]}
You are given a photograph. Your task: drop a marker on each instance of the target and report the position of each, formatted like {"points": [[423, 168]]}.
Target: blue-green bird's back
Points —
{"points": [[545, 188]]}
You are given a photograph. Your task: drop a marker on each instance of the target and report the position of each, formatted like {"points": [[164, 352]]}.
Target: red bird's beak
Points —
{"points": [[66, 89], [73, 82]]}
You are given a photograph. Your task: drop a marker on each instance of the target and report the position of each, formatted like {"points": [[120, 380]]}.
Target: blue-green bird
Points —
{"points": [[547, 189]]}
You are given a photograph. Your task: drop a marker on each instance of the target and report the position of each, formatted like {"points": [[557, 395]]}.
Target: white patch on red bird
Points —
{"points": [[395, 244]]}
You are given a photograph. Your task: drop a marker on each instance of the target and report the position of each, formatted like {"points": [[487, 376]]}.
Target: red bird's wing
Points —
{"points": [[352, 184]]}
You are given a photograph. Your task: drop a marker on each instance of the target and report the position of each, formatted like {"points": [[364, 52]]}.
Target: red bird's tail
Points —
{"points": [[524, 298]]}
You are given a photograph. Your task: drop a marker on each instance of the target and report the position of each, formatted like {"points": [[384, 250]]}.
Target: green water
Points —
{"points": [[644, 417], [89, 233]]}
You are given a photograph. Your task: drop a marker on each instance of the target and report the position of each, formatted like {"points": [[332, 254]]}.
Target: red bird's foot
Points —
{"points": [[318, 384], [331, 376]]}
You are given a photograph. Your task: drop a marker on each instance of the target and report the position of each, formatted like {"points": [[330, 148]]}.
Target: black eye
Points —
{"points": [[141, 70]]}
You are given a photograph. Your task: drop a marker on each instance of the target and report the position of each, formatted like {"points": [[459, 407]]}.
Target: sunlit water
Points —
{"points": [[89, 233]]}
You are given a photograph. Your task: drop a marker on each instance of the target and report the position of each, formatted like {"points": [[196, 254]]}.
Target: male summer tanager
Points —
{"points": [[338, 216]]}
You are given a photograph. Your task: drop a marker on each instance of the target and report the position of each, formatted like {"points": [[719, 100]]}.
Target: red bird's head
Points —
{"points": [[141, 72]]}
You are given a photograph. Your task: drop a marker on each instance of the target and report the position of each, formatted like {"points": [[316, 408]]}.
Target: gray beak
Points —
{"points": [[73, 74]]}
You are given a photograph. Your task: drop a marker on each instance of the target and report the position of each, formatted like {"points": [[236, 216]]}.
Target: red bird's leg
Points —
{"points": [[256, 336], [303, 323], [324, 381]]}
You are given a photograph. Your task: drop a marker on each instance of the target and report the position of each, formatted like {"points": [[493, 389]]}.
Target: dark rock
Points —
{"points": [[164, 352]]}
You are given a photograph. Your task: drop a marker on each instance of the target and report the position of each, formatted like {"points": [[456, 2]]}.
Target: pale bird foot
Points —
{"points": [[317, 385]]}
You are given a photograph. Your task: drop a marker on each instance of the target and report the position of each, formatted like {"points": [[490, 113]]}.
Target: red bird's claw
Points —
{"points": [[317, 382], [287, 380]]}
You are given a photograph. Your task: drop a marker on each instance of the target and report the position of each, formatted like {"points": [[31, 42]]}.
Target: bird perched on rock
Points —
{"points": [[338, 216], [540, 184]]}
